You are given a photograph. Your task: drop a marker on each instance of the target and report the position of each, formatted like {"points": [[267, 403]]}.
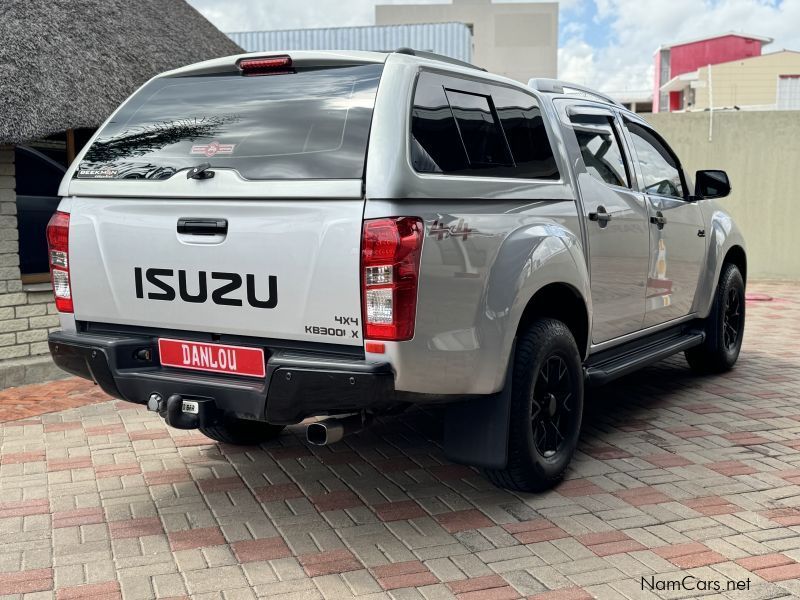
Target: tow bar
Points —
{"points": [[184, 413]]}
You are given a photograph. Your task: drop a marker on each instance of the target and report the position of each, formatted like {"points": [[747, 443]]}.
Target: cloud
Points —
{"points": [[575, 61], [635, 28]]}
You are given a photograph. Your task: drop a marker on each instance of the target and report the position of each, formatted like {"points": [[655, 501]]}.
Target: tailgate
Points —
{"points": [[228, 200], [284, 269]]}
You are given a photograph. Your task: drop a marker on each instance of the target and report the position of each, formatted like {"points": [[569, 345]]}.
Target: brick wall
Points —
{"points": [[26, 316]]}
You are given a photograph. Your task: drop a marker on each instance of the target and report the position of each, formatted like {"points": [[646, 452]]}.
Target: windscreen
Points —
{"points": [[307, 124]]}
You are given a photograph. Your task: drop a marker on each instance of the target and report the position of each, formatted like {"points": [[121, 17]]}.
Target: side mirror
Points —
{"points": [[711, 184]]}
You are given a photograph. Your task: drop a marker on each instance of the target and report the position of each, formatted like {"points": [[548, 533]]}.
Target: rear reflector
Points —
{"points": [[390, 254], [58, 250], [268, 65], [375, 347]]}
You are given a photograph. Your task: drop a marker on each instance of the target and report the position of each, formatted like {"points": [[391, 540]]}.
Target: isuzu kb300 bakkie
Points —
{"points": [[254, 240]]}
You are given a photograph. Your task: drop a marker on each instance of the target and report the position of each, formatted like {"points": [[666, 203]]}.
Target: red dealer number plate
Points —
{"points": [[216, 358]]}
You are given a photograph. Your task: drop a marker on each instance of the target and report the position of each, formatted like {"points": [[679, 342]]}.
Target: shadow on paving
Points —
{"points": [[629, 402], [674, 473]]}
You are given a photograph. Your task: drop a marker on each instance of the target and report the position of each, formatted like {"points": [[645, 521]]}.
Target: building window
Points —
{"points": [[39, 167], [37, 178], [788, 92]]}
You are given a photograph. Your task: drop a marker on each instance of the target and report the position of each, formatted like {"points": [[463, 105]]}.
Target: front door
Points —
{"points": [[616, 221], [677, 234]]}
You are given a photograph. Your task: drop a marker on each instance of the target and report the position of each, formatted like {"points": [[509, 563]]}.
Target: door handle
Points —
{"points": [[659, 220], [601, 216], [196, 226]]}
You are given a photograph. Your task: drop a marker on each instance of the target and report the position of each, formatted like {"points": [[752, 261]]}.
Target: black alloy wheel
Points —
{"points": [[546, 408], [552, 407], [724, 326], [732, 321]]}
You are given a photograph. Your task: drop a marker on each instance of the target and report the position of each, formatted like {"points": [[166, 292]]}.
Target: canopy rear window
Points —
{"points": [[308, 124]]}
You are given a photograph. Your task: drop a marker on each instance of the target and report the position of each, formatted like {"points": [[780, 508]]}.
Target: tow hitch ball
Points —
{"points": [[183, 413]]}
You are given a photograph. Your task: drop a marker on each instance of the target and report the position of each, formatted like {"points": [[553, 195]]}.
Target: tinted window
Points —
{"points": [[659, 168], [479, 130], [600, 149], [435, 141], [524, 128], [309, 124]]}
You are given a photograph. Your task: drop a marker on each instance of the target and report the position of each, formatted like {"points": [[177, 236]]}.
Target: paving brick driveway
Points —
{"points": [[676, 475]]}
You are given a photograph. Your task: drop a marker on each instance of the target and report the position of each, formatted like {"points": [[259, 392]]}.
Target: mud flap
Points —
{"points": [[476, 430]]}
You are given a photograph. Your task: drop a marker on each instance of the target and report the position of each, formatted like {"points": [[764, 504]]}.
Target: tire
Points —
{"points": [[537, 458], [241, 432], [724, 327]]}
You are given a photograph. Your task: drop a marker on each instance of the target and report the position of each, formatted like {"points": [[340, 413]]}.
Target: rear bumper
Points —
{"points": [[298, 384]]}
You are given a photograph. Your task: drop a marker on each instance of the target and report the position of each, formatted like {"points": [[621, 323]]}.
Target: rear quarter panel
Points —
{"points": [[489, 245], [481, 264]]}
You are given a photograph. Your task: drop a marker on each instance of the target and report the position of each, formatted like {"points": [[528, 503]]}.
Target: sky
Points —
{"points": [[605, 44]]}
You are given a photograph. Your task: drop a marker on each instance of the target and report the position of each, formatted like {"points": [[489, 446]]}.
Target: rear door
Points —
{"points": [[616, 222], [269, 246]]}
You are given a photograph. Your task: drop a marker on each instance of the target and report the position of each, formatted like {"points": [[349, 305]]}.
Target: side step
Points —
{"points": [[608, 365]]}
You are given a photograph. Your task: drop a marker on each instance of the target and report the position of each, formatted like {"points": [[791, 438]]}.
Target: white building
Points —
{"points": [[518, 40]]}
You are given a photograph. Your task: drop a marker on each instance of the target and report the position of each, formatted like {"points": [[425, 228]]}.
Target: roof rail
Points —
{"points": [[439, 57], [555, 86]]}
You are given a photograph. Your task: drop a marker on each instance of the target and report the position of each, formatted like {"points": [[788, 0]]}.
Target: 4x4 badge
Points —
{"points": [[441, 231]]}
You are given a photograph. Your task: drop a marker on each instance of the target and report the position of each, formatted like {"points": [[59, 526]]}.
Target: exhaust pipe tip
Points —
{"points": [[330, 431], [323, 433]]}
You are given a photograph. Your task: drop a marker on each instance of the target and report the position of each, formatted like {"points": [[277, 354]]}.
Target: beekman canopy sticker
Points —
{"points": [[97, 173], [213, 148]]}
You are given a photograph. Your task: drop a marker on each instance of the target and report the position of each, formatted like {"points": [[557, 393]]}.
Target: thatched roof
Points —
{"points": [[66, 64]]}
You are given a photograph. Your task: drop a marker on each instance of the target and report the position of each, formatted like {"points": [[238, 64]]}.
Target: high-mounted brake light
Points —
{"points": [[58, 251], [267, 65], [390, 254]]}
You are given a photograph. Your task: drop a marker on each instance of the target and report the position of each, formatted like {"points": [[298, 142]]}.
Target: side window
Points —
{"points": [[435, 141], [465, 128], [523, 125], [658, 165], [601, 149], [480, 131]]}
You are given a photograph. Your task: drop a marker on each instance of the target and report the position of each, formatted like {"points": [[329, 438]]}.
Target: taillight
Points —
{"points": [[390, 253], [58, 251], [267, 65]]}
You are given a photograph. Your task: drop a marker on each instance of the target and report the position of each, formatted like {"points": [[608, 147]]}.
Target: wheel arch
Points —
{"points": [[736, 255], [477, 430], [563, 302], [726, 244], [536, 266]]}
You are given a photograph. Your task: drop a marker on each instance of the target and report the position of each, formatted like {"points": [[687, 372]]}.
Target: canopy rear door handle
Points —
{"points": [[196, 226]]}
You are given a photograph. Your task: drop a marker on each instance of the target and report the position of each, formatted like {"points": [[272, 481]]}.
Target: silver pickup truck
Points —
{"points": [[255, 240]]}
